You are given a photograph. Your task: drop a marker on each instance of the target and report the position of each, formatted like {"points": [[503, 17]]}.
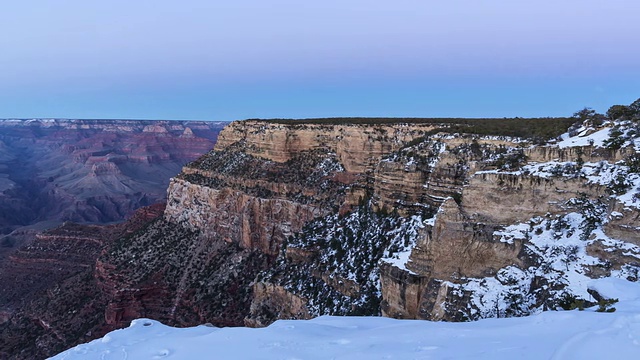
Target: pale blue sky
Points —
{"points": [[197, 59]]}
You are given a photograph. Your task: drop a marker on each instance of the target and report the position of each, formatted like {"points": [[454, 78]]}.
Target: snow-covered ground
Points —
{"points": [[585, 138], [549, 335]]}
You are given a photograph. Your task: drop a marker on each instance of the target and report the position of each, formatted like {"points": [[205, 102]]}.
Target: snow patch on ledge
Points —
{"points": [[596, 139], [512, 232], [400, 258]]}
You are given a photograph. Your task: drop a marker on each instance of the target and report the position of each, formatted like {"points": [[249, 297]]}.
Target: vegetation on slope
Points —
{"points": [[344, 252], [527, 128]]}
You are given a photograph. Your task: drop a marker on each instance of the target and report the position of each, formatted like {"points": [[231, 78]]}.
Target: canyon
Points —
{"points": [[76, 173], [56, 170], [410, 219], [89, 171]]}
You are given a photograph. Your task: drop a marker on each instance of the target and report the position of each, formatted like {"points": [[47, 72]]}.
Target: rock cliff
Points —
{"points": [[55, 274], [357, 147], [417, 220], [517, 242], [476, 213], [404, 220]]}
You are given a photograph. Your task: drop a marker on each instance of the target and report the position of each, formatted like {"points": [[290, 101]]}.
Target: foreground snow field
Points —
{"points": [[549, 335]]}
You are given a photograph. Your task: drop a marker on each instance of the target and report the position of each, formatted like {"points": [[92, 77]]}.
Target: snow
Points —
{"points": [[512, 232], [612, 288], [597, 138], [559, 245], [401, 257], [549, 335], [601, 173]]}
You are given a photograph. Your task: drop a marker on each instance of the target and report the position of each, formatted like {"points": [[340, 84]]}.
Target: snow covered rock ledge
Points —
{"points": [[550, 335]]}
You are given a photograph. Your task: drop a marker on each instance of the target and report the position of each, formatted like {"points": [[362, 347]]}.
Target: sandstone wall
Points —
{"points": [[457, 247], [358, 147], [231, 215], [623, 223], [397, 184], [401, 292], [507, 198], [587, 153]]}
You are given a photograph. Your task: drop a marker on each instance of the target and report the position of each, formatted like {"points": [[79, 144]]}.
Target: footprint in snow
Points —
{"points": [[162, 353]]}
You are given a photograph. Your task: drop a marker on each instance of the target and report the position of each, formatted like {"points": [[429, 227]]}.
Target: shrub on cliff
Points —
{"points": [[616, 139], [590, 116], [631, 112], [635, 109], [619, 112], [633, 162]]}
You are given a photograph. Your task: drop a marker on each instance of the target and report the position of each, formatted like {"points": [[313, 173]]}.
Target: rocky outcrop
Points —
{"points": [[357, 147], [275, 302], [265, 181], [462, 243], [49, 295], [236, 217], [586, 153], [402, 292], [624, 223], [257, 207], [468, 180], [399, 185], [458, 247], [454, 247], [487, 195]]}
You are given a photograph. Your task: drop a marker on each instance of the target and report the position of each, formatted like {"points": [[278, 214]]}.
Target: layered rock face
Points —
{"points": [[514, 226], [487, 196], [255, 192], [322, 200], [264, 181], [91, 170], [357, 147], [295, 220], [516, 242]]}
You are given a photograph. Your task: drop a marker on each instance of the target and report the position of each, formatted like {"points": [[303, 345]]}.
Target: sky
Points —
{"points": [[229, 60]]}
